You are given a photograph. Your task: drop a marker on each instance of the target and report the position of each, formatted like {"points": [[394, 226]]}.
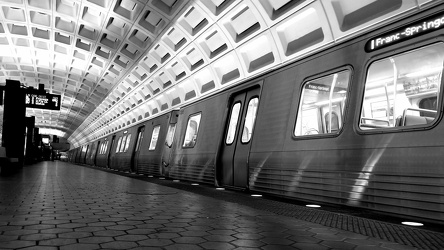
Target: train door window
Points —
{"points": [[320, 98], [234, 118], [122, 145], [139, 138], [250, 118], [118, 144], [170, 135], [154, 137], [192, 130], [402, 90], [128, 140]]}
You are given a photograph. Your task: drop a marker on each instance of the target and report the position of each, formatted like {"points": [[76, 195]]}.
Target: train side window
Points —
{"points": [[128, 139], [430, 103], [118, 144], [234, 118], [250, 118], [154, 137], [192, 130], [321, 97], [170, 135], [402, 90]]}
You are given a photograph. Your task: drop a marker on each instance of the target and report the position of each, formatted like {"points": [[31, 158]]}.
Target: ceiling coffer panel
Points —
{"points": [[116, 62]]}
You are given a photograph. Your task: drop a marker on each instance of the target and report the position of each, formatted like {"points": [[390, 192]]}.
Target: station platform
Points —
{"points": [[58, 205]]}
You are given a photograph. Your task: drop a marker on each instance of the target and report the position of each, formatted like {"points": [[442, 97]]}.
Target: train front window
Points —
{"points": [[122, 145], [128, 139], [402, 90], [192, 130], [235, 110], [154, 137], [250, 118], [321, 110], [170, 135], [118, 144]]}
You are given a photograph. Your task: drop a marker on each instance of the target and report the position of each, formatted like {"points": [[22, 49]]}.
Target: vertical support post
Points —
{"points": [[14, 124]]}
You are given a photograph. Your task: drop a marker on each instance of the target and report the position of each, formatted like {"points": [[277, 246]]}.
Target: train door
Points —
{"points": [[237, 141], [136, 151], [109, 152], [167, 150], [96, 153], [86, 154]]}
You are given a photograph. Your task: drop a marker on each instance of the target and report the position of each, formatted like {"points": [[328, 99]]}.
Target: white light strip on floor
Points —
{"points": [[411, 223], [312, 205]]}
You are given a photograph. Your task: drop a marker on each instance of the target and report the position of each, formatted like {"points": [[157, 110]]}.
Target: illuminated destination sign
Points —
{"points": [[422, 27], [323, 87], [42, 101]]}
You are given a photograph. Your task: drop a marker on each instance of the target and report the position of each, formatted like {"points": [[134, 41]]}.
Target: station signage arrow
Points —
{"points": [[43, 101]]}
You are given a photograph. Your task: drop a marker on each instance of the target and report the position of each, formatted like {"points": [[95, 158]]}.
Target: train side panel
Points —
{"points": [[152, 145], [397, 171], [92, 152], [197, 163], [104, 150], [78, 155], [114, 151], [121, 157]]}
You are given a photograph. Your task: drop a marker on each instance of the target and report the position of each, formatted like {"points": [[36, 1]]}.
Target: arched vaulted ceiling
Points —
{"points": [[117, 62]]}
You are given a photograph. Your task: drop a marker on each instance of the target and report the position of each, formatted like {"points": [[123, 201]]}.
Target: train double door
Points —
{"points": [[236, 144], [136, 151]]}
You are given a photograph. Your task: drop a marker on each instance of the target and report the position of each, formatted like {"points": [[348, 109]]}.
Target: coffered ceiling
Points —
{"points": [[118, 62]]}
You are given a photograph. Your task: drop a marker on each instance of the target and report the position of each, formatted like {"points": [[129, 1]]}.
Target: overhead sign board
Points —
{"points": [[43, 101], [422, 27]]}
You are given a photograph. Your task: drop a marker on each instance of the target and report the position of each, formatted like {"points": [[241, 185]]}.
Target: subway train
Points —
{"points": [[355, 124]]}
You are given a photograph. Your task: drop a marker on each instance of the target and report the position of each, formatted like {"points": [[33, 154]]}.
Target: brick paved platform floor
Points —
{"points": [[58, 205]]}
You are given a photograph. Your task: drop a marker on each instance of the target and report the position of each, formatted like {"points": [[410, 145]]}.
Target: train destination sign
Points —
{"points": [[422, 27], [42, 101]]}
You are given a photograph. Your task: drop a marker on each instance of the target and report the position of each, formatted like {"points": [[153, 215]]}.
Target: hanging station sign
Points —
{"points": [[43, 101], [427, 25]]}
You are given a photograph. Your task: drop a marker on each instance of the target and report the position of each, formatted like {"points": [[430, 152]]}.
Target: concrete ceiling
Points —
{"points": [[117, 62]]}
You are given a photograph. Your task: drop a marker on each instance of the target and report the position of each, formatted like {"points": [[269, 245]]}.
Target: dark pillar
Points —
{"points": [[38, 145], [30, 148], [14, 124]]}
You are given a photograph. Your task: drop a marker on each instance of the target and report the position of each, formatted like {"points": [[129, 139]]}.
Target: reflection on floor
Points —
{"points": [[57, 205]]}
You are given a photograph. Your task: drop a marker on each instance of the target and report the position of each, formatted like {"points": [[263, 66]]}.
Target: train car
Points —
{"points": [[104, 150], [356, 124], [353, 125], [92, 153], [121, 155], [152, 152], [78, 154], [71, 155], [198, 135]]}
